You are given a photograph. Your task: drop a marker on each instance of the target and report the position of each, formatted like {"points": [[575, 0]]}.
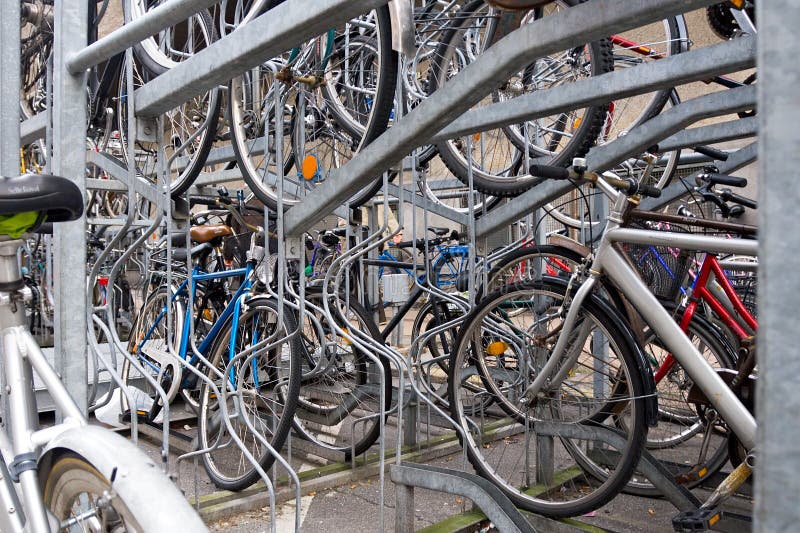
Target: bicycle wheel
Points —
{"points": [[531, 263], [339, 404], [258, 365], [502, 346], [76, 494], [153, 341], [188, 130], [430, 352], [498, 156], [339, 90], [689, 444]]}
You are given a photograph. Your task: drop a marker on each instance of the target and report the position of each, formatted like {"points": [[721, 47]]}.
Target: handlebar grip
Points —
{"points": [[550, 172], [210, 201], [644, 190], [713, 153], [729, 196], [722, 179]]}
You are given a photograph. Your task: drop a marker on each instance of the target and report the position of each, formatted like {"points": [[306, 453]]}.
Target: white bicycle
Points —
{"points": [[69, 476]]}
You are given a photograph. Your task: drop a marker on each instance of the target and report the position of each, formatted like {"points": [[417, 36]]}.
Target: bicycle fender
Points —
{"points": [[137, 480], [402, 21]]}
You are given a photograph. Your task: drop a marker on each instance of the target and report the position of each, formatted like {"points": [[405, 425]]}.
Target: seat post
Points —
{"points": [[10, 274], [12, 310]]}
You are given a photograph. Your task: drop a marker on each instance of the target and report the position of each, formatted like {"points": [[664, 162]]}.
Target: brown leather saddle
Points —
{"points": [[206, 233]]}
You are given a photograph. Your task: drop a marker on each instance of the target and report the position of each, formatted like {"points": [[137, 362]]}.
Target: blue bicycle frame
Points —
{"points": [[232, 308]]}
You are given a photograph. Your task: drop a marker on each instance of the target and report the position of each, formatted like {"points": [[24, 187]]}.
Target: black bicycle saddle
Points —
{"points": [[439, 231], [57, 198]]}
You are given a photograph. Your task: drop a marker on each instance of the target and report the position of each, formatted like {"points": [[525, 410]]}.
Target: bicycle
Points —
{"points": [[590, 386], [70, 474], [238, 342]]}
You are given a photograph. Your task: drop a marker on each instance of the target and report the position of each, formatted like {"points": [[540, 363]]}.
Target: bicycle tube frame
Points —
{"points": [[207, 341], [610, 262], [701, 293]]}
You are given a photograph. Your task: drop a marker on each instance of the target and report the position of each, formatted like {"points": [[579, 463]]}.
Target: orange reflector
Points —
{"points": [[207, 314], [713, 520], [347, 336], [496, 348], [702, 473], [738, 4], [577, 123], [309, 167], [476, 137]]}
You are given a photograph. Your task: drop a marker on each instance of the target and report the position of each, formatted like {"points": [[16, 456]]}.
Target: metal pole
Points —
{"points": [[778, 440], [9, 89], [69, 160]]}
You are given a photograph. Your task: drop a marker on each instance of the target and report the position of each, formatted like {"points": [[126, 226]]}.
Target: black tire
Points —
{"points": [[508, 181], [319, 419], [272, 393], [676, 439], [522, 265], [569, 488]]}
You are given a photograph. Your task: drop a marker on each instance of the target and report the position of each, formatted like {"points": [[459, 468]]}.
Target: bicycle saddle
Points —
{"points": [[439, 231], [208, 233], [57, 198]]}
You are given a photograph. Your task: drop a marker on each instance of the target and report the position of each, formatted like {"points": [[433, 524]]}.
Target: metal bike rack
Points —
{"points": [[445, 115]]}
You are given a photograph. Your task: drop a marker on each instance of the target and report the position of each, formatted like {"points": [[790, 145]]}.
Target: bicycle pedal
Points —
{"points": [[697, 520], [695, 474]]}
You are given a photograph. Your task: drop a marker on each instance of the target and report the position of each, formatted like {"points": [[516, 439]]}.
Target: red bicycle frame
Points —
{"points": [[701, 293]]}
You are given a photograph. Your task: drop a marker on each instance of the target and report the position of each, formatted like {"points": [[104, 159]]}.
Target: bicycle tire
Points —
{"points": [[318, 119], [352, 370], [272, 391], [512, 182], [186, 149], [521, 265], [565, 488]]}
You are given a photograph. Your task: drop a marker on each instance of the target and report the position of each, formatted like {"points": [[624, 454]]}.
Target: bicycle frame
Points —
{"points": [[21, 355], [611, 263], [700, 293], [196, 276]]}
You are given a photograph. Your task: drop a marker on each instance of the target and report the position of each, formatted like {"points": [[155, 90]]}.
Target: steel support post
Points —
{"points": [[69, 160], [575, 26], [777, 477], [404, 509], [9, 110], [9, 89], [266, 36], [32, 129]]}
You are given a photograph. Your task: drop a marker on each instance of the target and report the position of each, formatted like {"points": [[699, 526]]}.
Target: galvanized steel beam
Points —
{"points": [[696, 65], [33, 128], [606, 156], [162, 17], [574, 26], [668, 122], [278, 30], [730, 130]]}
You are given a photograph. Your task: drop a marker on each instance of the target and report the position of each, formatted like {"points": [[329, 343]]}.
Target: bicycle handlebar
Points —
{"points": [[627, 186], [713, 153], [729, 196], [715, 178]]}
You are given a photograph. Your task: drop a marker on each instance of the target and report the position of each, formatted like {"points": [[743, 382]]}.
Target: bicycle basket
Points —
{"points": [[662, 268]]}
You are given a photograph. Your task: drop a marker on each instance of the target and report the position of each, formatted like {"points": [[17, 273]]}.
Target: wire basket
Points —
{"points": [[662, 268]]}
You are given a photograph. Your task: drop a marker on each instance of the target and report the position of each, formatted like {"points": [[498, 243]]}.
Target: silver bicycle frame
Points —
{"points": [[20, 355], [608, 261]]}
